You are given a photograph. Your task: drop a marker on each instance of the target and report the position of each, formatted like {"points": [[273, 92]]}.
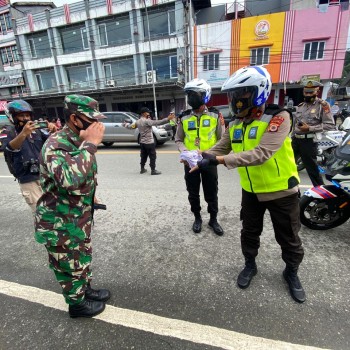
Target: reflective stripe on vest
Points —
{"points": [[206, 131], [274, 174]]}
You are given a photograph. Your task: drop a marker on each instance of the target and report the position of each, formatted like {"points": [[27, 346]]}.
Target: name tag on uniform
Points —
{"points": [[313, 111], [191, 125], [253, 132], [206, 122]]}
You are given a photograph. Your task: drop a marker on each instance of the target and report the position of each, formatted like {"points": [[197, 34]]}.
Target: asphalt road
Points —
{"points": [[154, 265]]}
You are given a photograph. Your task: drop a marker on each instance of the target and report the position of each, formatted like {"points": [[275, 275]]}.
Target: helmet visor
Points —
{"points": [[241, 98]]}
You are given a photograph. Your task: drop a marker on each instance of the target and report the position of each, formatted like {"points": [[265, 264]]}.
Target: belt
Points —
{"points": [[304, 136]]}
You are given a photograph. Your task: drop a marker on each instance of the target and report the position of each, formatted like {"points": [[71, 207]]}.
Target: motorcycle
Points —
{"points": [[327, 143], [328, 206]]}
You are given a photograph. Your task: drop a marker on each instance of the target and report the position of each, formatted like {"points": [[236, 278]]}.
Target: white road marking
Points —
{"points": [[7, 176], [196, 333]]}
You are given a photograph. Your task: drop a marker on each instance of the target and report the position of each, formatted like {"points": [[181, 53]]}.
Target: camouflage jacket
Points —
{"points": [[68, 171]]}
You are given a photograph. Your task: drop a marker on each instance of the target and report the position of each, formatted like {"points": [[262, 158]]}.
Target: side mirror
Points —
{"points": [[128, 120]]}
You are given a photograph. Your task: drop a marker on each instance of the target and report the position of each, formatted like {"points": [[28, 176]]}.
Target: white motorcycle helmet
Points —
{"points": [[253, 82], [198, 92]]}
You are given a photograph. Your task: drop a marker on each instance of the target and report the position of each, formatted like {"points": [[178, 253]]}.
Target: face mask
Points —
{"points": [[195, 100], [84, 122], [309, 99]]}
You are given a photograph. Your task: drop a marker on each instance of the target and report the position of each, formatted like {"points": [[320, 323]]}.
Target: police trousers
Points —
{"points": [[148, 150], [71, 265], [209, 178], [307, 150], [284, 213]]}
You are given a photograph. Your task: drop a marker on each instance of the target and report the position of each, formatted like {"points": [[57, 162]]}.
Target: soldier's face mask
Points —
{"points": [[85, 123], [194, 99], [241, 100]]}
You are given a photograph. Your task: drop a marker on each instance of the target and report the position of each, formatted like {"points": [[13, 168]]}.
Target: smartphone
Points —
{"points": [[40, 125]]}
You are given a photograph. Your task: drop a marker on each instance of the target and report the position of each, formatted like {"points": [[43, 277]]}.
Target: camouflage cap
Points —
{"points": [[311, 85], [84, 105]]}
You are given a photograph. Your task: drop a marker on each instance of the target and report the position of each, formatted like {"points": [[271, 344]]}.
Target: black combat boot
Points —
{"points": [[297, 292], [246, 275], [143, 170], [87, 308], [155, 172], [197, 225], [97, 294], [213, 223]]}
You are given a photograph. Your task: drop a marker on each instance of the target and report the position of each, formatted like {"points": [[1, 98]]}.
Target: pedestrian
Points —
{"points": [[22, 147], [200, 128], [260, 147], [147, 142], [312, 117], [64, 213]]}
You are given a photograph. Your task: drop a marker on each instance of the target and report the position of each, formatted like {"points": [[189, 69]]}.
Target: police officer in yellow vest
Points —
{"points": [[263, 154], [200, 129]]}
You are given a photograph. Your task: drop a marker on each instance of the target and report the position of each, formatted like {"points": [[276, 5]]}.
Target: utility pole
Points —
{"points": [[151, 59]]}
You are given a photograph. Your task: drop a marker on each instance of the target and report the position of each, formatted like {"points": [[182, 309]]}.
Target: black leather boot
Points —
{"points": [[97, 294], [247, 274], [143, 170], [213, 223], [197, 225], [87, 308], [296, 290], [155, 172]]}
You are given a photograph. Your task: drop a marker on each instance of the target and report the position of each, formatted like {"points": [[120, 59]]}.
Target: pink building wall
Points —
{"points": [[311, 25]]}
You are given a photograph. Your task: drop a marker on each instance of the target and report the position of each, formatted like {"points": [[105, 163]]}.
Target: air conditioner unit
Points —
{"points": [[151, 77], [110, 83]]}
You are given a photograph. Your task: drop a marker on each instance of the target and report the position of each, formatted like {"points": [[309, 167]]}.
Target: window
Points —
{"points": [[108, 71], [84, 37], [161, 22], [102, 34], [46, 80], [5, 23], [114, 31], [90, 76], [173, 66], [79, 76], [74, 38], [9, 55], [39, 82], [32, 48], [211, 61], [314, 50], [38, 45], [259, 56]]}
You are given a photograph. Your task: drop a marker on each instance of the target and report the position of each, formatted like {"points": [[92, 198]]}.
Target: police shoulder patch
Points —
{"points": [[275, 123], [325, 106]]}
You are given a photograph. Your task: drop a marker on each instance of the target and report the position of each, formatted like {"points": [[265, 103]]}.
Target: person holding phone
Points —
{"points": [[312, 117], [24, 141]]}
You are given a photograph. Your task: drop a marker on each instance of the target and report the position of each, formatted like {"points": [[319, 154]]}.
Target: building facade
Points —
{"points": [[115, 51], [294, 46]]}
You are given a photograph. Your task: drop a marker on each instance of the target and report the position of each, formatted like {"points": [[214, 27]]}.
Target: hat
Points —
{"points": [[84, 105], [311, 85], [145, 110]]}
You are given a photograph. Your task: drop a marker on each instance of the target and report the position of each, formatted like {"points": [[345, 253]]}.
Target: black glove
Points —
{"points": [[208, 159], [100, 206]]}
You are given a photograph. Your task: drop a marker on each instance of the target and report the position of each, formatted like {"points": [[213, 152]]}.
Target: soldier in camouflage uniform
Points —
{"points": [[65, 211]]}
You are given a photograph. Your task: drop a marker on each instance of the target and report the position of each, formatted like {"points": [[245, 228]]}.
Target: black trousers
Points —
{"points": [[148, 150], [307, 150], [209, 178], [284, 213]]}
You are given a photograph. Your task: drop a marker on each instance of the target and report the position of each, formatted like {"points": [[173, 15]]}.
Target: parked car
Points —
{"points": [[116, 132], [3, 123], [225, 111]]}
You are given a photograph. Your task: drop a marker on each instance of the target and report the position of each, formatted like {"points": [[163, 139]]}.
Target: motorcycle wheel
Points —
{"points": [[300, 164], [316, 214]]}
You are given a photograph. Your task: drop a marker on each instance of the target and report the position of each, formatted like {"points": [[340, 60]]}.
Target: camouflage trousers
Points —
{"points": [[71, 265]]}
